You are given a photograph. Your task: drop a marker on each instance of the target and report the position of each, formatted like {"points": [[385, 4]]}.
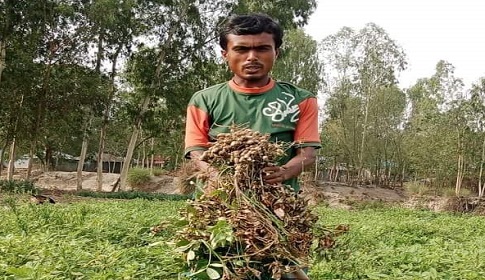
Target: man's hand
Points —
{"points": [[304, 158], [275, 174]]}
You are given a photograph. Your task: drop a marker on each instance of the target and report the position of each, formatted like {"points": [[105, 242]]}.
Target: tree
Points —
{"points": [[438, 126], [290, 14], [359, 66], [478, 108], [379, 58], [298, 61], [386, 113]]}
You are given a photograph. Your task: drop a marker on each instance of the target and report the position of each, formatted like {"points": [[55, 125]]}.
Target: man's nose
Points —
{"points": [[252, 55]]}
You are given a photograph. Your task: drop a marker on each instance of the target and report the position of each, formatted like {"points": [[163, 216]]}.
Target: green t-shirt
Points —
{"points": [[286, 112]]}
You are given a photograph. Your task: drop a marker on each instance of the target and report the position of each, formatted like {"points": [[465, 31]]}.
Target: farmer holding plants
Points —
{"points": [[252, 98], [250, 45]]}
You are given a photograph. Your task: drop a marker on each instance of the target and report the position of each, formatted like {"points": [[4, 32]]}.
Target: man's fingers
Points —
{"points": [[274, 175], [271, 169]]}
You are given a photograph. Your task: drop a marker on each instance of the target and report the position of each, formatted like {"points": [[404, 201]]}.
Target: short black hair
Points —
{"points": [[251, 24]]}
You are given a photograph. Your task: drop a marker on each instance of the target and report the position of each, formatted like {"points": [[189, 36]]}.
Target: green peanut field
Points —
{"points": [[113, 239]]}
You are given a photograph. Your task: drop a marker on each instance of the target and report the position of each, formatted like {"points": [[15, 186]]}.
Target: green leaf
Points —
{"points": [[212, 273], [184, 246], [221, 234], [181, 223], [156, 243], [20, 271]]}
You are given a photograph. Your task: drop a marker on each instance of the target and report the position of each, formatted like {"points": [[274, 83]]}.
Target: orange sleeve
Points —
{"points": [[307, 127], [196, 129]]}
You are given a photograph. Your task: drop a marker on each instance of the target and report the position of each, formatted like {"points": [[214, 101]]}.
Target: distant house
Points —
{"points": [[69, 163], [66, 162], [159, 161], [111, 164], [22, 162]]}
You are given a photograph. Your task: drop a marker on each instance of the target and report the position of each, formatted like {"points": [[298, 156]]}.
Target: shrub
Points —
{"points": [[159, 171], [417, 188], [450, 192], [137, 177], [17, 186]]}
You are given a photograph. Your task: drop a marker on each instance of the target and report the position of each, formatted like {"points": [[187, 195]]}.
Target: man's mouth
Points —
{"points": [[252, 67]]}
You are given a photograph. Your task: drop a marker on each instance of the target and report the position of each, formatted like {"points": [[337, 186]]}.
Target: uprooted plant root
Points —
{"points": [[241, 226]]}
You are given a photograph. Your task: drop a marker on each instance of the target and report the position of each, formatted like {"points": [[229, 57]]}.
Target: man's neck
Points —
{"points": [[251, 84]]}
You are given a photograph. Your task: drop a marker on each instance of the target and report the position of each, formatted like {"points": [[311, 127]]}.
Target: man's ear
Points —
{"points": [[277, 52], [224, 54]]}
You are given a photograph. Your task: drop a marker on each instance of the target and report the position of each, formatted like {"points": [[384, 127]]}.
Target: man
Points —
{"points": [[250, 45]]}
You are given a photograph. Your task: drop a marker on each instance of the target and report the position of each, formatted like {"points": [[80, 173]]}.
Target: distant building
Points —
{"points": [[68, 163], [111, 164]]}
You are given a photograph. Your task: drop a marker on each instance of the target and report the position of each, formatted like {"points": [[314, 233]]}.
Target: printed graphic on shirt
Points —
{"points": [[283, 106]]}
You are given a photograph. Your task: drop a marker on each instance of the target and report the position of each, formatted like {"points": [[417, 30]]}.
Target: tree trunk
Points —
{"points": [[403, 173], [82, 157], [31, 159], [460, 167], [459, 175], [13, 144], [132, 144], [80, 165], [3, 56], [48, 158], [2, 158], [481, 186], [104, 126], [11, 161], [152, 158], [99, 158], [143, 152], [3, 38], [364, 134]]}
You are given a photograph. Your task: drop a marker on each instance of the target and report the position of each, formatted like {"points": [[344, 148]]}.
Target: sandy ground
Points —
{"points": [[68, 181], [342, 195], [167, 184], [62, 186], [334, 194]]}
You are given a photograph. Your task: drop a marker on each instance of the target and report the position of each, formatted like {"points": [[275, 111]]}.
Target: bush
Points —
{"points": [[137, 177], [159, 172], [416, 188], [451, 192], [18, 186]]}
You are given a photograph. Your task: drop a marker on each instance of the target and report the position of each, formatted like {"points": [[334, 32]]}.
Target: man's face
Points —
{"points": [[250, 57]]}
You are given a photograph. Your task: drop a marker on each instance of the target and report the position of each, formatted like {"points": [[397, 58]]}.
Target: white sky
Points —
{"points": [[427, 30]]}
